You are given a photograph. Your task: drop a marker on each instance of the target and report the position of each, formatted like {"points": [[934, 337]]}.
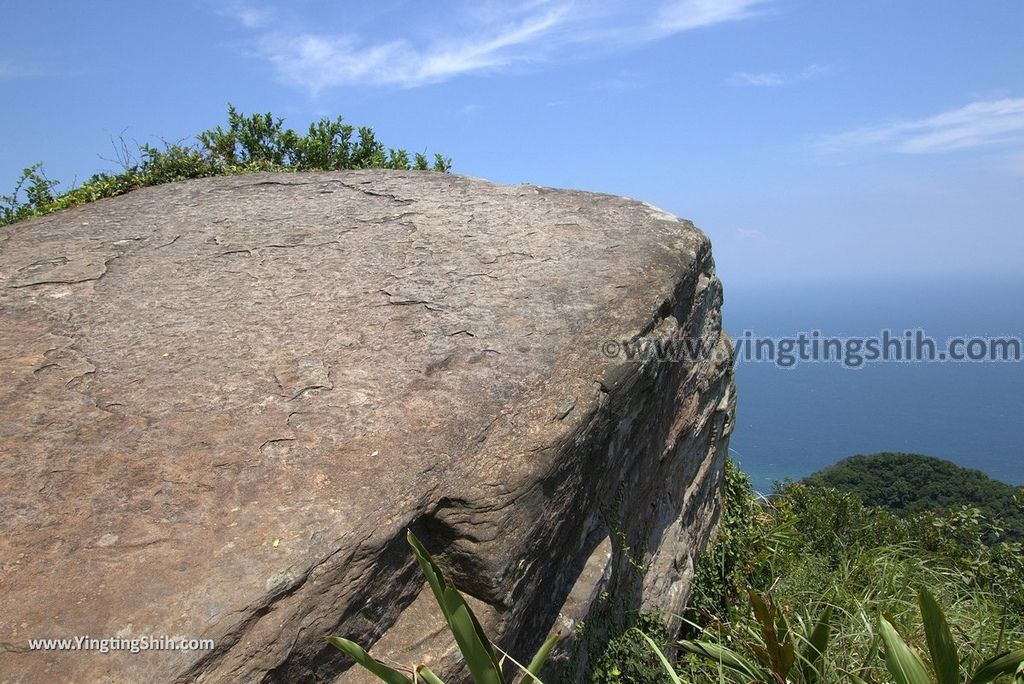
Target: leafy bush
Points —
{"points": [[38, 192], [627, 659], [258, 142]]}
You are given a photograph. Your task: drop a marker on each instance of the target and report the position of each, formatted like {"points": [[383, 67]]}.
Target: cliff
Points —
{"points": [[225, 401]]}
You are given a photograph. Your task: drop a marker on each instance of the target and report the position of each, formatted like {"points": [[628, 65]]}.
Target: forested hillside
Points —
{"points": [[912, 483]]}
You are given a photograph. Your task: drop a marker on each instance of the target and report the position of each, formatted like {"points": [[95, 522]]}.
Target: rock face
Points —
{"points": [[225, 400]]}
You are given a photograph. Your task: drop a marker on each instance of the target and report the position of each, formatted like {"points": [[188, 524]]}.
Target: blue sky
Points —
{"points": [[809, 139]]}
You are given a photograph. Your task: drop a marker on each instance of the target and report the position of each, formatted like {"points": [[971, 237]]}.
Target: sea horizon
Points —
{"points": [[792, 422]]}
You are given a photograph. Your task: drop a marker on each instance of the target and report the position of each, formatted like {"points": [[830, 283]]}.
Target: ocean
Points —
{"points": [[793, 422]]}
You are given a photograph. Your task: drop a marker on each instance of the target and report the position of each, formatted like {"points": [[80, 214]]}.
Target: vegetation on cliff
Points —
{"points": [[813, 550], [249, 143]]}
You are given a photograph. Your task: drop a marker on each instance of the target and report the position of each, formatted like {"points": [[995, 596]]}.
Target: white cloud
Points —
{"points": [[249, 16], [318, 62], [978, 124], [622, 82], [12, 70], [499, 38], [754, 236], [775, 78], [685, 15], [750, 235], [769, 78]]}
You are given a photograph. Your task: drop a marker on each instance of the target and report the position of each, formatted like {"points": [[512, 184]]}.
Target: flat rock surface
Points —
{"points": [[224, 400]]}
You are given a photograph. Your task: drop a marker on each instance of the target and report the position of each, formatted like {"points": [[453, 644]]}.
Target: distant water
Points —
{"points": [[793, 422]]}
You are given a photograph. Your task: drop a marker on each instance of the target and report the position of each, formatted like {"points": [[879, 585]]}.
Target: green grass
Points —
{"points": [[809, 549]]}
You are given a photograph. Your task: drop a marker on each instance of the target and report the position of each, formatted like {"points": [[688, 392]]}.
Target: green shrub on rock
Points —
{"points": [[249, 143]]}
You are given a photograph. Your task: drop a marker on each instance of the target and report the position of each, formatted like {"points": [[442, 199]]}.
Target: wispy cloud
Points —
{"points": [[978, 124], [686, 15], [755, 241], [318, 62], [622, 82], [248, 15], [777, 78], [14, 70], [751, 235], [499, 39]]}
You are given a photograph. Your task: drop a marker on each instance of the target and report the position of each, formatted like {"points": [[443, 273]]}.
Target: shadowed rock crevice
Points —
{"points": [[226, 400]]}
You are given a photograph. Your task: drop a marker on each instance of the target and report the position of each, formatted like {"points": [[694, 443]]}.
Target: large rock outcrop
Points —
{"points": [[225, 400]]}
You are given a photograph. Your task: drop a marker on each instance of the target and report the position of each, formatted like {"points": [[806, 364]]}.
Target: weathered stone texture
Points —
{"points": [[225, 400]]}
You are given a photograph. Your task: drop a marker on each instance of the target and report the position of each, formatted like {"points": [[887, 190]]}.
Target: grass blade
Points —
{"points": [[380, 670], [726, 657], [476, 648], [817, 644], [855, 679], [779, 650], [435, 578], [903, 665], [533, 669], [664, 661], [1002, 664], [427, 675], [945, 660]]}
